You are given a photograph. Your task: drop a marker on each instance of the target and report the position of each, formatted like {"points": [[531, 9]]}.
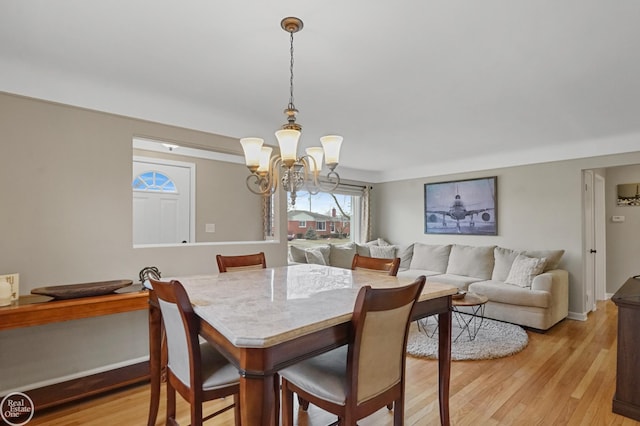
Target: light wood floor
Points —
{"points": [[563, 377]]}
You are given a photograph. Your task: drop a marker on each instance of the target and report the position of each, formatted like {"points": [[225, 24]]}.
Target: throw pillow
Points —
{"points": [[504, 258], [314, 256], [524, 269], [341, 255], [384, 252], [325, 250], [297, 254], [552, 256]]}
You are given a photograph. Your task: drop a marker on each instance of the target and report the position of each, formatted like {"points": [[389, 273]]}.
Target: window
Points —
{"points": [[335, 215], [154, 181]]}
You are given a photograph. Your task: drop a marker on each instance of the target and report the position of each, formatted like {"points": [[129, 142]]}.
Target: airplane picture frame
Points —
{"points": [[461, 207]]}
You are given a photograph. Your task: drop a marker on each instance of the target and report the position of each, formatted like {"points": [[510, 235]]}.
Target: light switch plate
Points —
{"points": [[617, 218], [14, 282]]}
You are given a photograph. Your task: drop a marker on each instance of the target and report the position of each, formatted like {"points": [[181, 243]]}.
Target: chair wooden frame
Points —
{"points": [[369, 300], [376, 264], [246, 261], [174, 293]]}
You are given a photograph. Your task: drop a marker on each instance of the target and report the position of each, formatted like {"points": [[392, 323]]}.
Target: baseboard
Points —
{"points": [[85, 384], [577, 316]]}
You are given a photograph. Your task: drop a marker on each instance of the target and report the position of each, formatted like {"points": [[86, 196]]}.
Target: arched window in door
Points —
{"points": [[154, 181]]}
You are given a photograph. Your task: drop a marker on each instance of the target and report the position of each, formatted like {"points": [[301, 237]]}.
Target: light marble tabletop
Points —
{"points": [[264, 307]]}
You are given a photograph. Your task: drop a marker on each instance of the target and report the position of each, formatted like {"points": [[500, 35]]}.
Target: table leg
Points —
{"points": [[155, 338], [444, 365], [257, 400]]}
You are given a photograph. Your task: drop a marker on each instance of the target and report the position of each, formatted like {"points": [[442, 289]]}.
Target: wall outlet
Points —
{"points": [[14, 282], [210, 227]]}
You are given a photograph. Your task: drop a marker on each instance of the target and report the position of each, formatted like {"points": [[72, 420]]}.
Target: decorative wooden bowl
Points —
{"points": [[73, 291], [459, 295]]}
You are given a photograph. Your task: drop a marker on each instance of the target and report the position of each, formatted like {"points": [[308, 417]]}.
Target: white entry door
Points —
{"points": [[162, 201]]}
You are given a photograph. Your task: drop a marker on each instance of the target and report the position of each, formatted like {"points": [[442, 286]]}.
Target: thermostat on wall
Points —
{"points": [[617, 218]]}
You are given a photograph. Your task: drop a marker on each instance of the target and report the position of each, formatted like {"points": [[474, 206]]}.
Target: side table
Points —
{"points": [[475, 314], [471, 323]]}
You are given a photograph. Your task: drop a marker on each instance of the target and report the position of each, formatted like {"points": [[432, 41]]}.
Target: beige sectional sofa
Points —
{"points": [[523, 287]]}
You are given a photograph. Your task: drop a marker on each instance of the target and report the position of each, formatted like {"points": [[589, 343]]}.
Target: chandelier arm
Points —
{"points": [[311, 181], [334, 184], [254, 180]]}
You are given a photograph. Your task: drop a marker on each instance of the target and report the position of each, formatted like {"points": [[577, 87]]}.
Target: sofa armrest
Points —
{"points": [[556, 282], [551, 281]]}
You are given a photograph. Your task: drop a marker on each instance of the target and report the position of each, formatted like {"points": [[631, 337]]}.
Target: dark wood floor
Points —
{"points": [[563, 377]]}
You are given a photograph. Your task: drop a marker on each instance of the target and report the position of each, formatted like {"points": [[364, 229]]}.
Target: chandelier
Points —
{"points": [[292, 172]]}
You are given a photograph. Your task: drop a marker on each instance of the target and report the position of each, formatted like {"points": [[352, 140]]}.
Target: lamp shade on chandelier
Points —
{"points": [[293, 172]]}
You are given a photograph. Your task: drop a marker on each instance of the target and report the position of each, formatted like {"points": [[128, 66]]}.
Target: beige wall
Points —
{"points": [[66, 218], [539, 207]]}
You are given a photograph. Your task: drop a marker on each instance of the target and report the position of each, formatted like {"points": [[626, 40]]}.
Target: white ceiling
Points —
{"points": [[416, 87]]}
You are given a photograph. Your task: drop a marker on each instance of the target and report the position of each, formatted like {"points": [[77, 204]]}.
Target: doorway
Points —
{"points": [[594, 238], [163, 191]]}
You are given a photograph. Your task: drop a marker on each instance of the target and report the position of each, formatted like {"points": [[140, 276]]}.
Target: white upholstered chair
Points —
{"points": [[355, 380], [196, 370]]}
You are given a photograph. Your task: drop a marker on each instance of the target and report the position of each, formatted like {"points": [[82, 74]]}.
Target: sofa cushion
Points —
{"points": [[430, 257], [341, 255], [552, 256], [405, 253], [363, 250], [460, 281], [511, 294], [385, 252], [415, 273], [524, 269], [471, 261], [503, 259]]}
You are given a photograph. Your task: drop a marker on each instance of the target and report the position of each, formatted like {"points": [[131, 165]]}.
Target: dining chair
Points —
{"points": [[241, 262], [195, 369], [355, 380], [376, 264]]}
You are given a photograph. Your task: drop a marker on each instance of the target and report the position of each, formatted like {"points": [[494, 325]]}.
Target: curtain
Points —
{"points": [[365, 215]]}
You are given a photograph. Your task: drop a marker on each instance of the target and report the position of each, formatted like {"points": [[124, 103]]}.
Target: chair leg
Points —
{"points": [[171, 403], [398, 413], [287, 405], [276, 390], [236, 409], [196, 413]]}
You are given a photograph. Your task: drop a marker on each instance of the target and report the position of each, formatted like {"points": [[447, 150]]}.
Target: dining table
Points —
{"points": [[264, 320]]}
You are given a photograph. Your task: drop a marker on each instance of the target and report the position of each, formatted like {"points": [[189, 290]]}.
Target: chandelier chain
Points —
{"points": [[291, 105]]}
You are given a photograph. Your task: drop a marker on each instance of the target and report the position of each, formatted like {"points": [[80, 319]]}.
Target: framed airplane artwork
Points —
{"points": [[461, 207]]}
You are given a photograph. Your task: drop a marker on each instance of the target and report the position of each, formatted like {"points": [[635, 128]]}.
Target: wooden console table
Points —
{"points": [[626, 401], [31, 310]]}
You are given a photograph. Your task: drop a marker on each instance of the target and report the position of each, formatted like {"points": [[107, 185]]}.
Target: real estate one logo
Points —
{"points": [[16, 409]]}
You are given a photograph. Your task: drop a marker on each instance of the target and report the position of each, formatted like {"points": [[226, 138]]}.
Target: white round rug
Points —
{"points": [[495, 339]]}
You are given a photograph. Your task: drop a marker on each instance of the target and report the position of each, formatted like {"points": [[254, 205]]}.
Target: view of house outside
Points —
{"points": [[319, 219]]}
